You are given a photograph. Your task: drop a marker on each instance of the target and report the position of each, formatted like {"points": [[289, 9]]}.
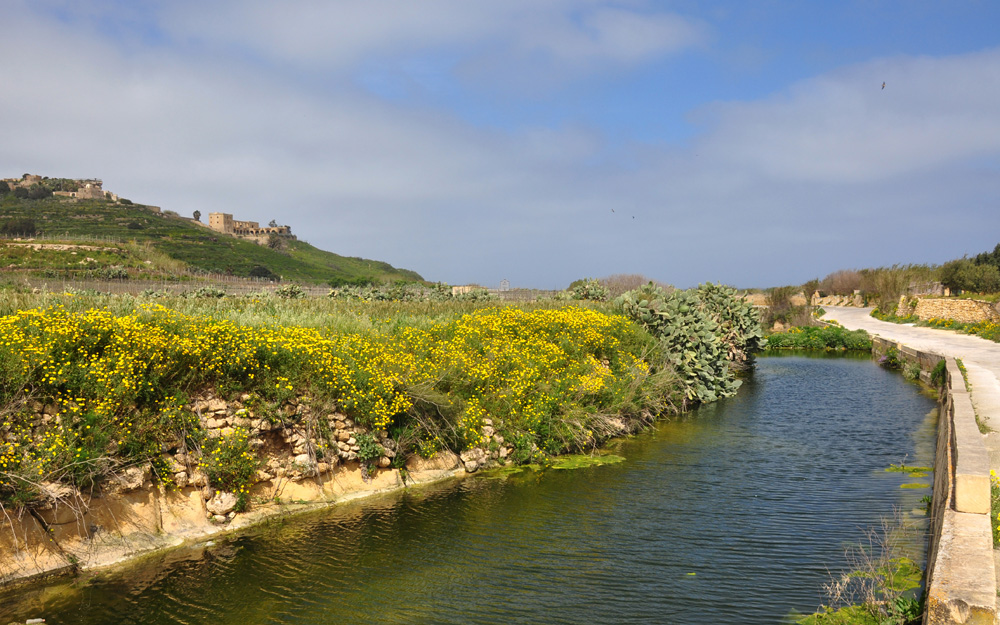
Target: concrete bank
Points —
{"points": [[961, 574]]}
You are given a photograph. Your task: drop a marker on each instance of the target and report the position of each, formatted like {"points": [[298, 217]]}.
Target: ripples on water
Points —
{"points": [[733, 514]]}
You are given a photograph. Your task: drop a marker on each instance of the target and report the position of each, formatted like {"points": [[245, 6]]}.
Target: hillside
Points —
{"points": [[185, 241]]}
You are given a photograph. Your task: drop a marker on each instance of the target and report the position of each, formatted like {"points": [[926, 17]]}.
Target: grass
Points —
{"points": [[164, 237]]}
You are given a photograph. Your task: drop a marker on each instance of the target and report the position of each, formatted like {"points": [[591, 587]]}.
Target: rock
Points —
{"points": [[263, 476], [352, 441], [498, 439], [181, 479], [216, 405], [208, 492], [174, 465], [289, 410], [133, 478], [56, 490], [214, 424], [343, 436], [322, 467], [488, 431], [488, 421], [340, 424], [384, 462], [303, 460], [198, 479], [219, 518], [222, 503], [471, 466], [504, 452], [231, 515]]}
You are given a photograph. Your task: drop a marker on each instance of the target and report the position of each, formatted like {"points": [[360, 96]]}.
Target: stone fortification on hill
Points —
{"points": [[75, 188], [224, 223]]}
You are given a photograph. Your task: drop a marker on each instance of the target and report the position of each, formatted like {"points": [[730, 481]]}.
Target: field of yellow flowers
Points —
{"points": [[119, 375]]}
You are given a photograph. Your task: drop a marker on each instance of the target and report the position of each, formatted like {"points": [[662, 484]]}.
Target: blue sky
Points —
{"points": [[540, 141]]}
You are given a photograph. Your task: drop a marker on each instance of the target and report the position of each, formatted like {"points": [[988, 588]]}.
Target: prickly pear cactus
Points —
{"points": [[689, 339], [738, 323]]}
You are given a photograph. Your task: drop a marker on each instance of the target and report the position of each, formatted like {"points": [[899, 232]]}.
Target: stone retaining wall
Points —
{"points": [[961, 580], [855, 300], [963, 310]]}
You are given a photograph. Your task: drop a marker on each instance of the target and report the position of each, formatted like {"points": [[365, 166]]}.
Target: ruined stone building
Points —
{"points": [[224, 223]]}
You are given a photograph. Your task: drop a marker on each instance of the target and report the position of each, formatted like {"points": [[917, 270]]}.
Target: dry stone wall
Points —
{"points": [[962, 310]]}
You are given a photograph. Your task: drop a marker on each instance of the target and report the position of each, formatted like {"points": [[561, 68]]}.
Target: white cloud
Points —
{"points": [[843, 127], [833, 168]]}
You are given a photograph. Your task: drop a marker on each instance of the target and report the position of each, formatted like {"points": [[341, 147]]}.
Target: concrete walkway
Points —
{"points": [[980, 357]]}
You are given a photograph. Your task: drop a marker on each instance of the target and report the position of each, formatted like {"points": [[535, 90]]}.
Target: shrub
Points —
{"points": [[116, 272], [19, 227], [206, 292], [843, 282], [737, 320], [965, 275], [820, 338], [38, 192], [890, 360], [688, 338], [290, 291], [589, 289], [231, 464], [260, 271]]}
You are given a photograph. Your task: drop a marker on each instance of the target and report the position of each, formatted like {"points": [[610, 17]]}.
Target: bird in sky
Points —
{"points": [[883, 84]]}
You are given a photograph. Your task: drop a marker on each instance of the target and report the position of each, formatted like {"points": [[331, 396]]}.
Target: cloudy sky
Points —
{"points": [[747, 142]]}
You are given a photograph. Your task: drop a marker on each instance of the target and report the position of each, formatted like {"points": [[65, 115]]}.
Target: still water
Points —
{"points": [[733, 514]]}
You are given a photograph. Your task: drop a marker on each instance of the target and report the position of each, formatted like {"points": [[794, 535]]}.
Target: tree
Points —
{"points": [[260, 271], [275, 242], [4, 187], [197, 215], [273, 223], [21, 193], [19, 227], [37, 192]]}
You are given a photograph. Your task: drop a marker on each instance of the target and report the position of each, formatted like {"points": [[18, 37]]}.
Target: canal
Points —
{"points": [[734, 513]]}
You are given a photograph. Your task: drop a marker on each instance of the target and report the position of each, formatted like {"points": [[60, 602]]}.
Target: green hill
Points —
{"points": [[190, 245]]}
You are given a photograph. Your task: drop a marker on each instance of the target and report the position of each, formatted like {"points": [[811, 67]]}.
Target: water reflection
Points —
{"points": [[734, 513]]}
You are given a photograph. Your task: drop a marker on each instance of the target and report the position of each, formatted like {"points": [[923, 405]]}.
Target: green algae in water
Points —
{"points": [[581, 461], [915, 485], [910, 471], [577, 461]]}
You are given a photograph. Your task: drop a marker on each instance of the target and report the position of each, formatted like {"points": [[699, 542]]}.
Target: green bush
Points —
{"points": [[231, 464], [589, 289], [691, 340], [820, 338], [290, 291]]}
